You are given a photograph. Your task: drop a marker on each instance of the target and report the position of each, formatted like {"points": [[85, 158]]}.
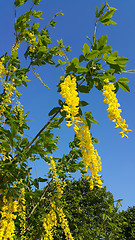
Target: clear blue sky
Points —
{"points": [[118, 161]]}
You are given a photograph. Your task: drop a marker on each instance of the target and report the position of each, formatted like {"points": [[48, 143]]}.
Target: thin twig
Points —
{"points": [[129, 71]]}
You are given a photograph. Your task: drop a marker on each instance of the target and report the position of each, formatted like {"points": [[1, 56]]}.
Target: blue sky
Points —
{"points": [[117, 154]]}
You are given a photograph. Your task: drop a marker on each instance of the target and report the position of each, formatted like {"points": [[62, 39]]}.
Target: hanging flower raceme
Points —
{"points": [[89, 154], [69, 92], [7, 212], [56, 211], [113, 108], [22, 213], [3, 71]]}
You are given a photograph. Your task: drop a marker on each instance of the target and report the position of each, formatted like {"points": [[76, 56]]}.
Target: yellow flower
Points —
{"points": [[7, 226], [69, 92], [64, 224], [89, 154], [3, 71], [113, 108], [50, 221]]}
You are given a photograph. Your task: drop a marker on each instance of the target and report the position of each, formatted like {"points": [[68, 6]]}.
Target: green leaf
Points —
{"points": [[121, 61], [87, 122], [14, 54], [13, 130], [102, 41], [89, 117], [123, 79], [61, 62], [109, 59], [42, 49], [106, 49], [101, 11], [81, 58], [108, 22], [86, 49], [107, 15], [83, 89], [37, 14], [60, 102], [116, 87], [53, 23], [54, 110], [114, 54], [105, 217], [36, 2], [93, 54], [19, 2], [35, 26], [75, 61], [96, 13], [40, 179], [82, 103], [35, 183], [61, 119], [24, 142], [82, 70], [70, 68], [124, 86]]}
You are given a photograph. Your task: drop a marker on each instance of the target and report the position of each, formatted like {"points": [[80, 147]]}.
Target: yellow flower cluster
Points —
{"points": [[3, 71], [50, 221], [32, 37], [69, 92], [22, 211], [8, 97], [64, 224], [7, 226], [89, 154], [9, 90], [59, 184], [113, 108], [18, 110], [32, 49], [15, 46]]}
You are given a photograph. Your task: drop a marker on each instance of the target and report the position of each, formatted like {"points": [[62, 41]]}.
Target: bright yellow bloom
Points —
{"points": [[8, 97], [69, 92], [50, 221], [3, 71], [64, 225], [89, 154], [113, 108], [7, 226]]}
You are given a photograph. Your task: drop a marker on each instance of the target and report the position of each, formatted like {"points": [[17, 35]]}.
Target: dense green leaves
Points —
{"points": [[37, 14], [105, 18], [36, 2], [19, 2]]}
